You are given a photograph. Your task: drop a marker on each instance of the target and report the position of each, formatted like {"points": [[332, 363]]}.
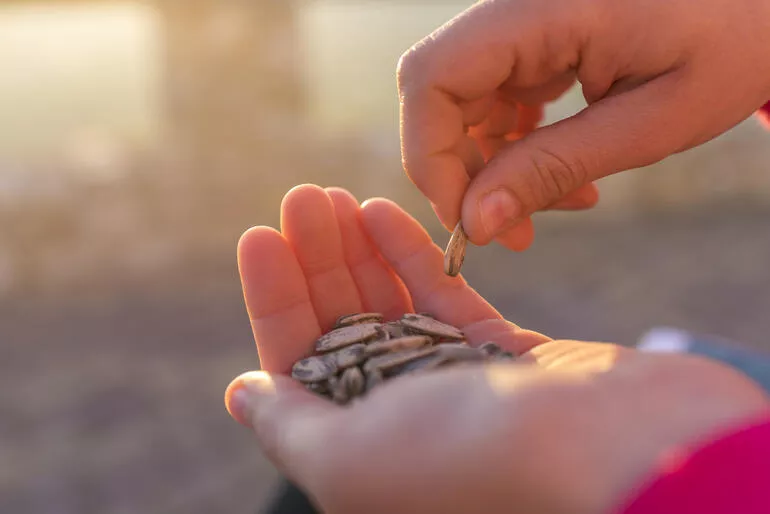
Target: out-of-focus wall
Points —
{"points": [[135, 132]]}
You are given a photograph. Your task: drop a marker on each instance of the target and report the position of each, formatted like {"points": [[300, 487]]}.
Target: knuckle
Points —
{"points": [[406, 67], [411, 66], [554, 176]]}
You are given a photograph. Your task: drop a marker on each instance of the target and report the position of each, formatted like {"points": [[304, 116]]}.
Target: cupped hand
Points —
{"points": [[334, 257], [571, 427], [659, 76]]}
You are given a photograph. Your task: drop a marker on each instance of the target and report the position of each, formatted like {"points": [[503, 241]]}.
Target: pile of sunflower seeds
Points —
{"points": [[362, 351]]}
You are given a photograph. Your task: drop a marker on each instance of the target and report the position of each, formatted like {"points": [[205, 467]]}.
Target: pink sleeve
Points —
{"points": [[728, 476]]}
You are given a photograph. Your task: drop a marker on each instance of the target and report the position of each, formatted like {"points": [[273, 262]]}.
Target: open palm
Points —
{"points": [[334, 257]]}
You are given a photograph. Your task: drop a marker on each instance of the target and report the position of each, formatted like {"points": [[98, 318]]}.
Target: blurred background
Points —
{"points": [[138, 140]]}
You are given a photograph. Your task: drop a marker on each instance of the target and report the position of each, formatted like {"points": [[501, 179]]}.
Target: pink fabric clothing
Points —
{"points": [[728, 476]]}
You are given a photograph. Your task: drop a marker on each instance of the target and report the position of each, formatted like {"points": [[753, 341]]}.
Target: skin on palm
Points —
{"points": [[569, 428]]}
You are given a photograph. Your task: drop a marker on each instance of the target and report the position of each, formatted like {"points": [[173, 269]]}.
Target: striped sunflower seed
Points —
{"points": [[314, 369], [389, 361], [454, 255], [345, 336], [426, 363], [393, 330], [429, 326], [349, 356], [455, 352], [357, 319], [397, 344], [350, 385]]}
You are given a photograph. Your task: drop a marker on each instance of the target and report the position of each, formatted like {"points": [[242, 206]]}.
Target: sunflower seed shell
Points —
{"points": [[313, 369], [432, 327], [357, 319], [454, 255], [396, 345], [345, 336]]}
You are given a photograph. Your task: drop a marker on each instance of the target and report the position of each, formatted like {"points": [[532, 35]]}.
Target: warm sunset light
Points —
{"points": [[140, 139]]}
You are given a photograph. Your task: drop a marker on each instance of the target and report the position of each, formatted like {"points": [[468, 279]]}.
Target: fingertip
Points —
{"points": [[530, 117], [258, 240], [443, 179], [375, 212], [345, 203], [448, 225], [519, 237], [381, 215], [341, 196], [308, 222], [506, 334], [237, 396], [590, 195], [302, 198], [375, 207], [301, 189]]}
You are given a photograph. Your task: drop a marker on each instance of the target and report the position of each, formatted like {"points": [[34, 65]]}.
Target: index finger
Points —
{"points": [[470, 57]]}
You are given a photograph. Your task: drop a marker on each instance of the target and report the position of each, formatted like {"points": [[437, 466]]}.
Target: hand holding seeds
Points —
{"points": [[426, 413]]}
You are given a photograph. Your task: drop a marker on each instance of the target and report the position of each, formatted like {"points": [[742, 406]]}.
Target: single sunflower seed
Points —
{"points": [[349, 356], [314, 369], [432, 327], [388, 361], [396, 345], [357, 319], [345, 336], [454, 255], [393, 330]]}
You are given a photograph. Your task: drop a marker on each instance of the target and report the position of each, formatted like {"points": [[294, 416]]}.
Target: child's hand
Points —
{"points": [[572, 427], [660, 77], [334, 257]]}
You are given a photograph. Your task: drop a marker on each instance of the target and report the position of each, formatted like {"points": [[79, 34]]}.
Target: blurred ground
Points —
{"points": [[132, 160]]}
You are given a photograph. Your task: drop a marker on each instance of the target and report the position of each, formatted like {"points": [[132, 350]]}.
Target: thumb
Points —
{"points": [[292, 425], [628, 130]]}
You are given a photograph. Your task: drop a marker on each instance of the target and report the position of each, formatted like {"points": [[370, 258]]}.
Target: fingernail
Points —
{"points": [[238, 407], [497, 208], [244, 391]]}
